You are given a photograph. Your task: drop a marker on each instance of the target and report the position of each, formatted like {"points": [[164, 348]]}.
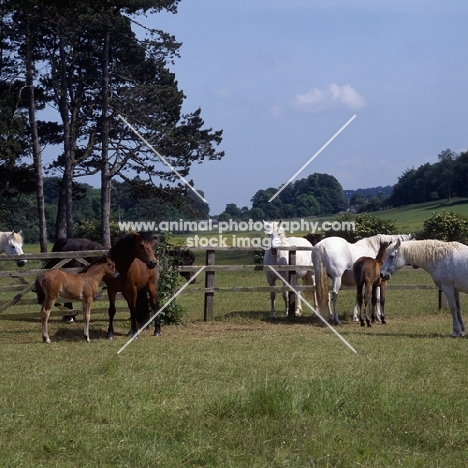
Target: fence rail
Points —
{"points": [[209, 290]]}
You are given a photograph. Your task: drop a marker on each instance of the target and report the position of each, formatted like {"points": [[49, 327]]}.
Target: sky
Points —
{"points": [[282, 77]]}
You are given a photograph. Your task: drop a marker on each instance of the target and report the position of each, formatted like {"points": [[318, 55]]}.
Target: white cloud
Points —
{"points": [[318, 100]]}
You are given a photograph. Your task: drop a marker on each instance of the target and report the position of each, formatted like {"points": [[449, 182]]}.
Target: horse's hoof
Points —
{"points": [[110, 336], [458, 335], [157, 334]]}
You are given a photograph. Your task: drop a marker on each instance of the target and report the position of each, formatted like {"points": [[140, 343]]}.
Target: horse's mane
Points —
{"points": [[375, 241], [124, 245], [427, 251], [17, 237], [99, 260]]}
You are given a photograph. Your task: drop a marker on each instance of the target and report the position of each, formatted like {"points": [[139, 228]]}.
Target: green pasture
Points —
{"points": [[241, 391]]}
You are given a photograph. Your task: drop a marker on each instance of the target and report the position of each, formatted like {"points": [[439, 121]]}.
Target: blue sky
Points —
{"points": [[281, 77]]}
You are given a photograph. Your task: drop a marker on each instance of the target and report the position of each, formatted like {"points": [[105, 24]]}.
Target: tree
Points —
{"points": [[94, 69], [445, 169]]}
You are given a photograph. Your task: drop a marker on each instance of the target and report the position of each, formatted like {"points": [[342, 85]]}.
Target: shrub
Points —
{"points": [[446, 226]]}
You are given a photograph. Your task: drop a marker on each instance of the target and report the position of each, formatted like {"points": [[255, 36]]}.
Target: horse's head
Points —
{"points": [[143, 248], [275, 234], [393, 261], [14, 246], [110, 270]]}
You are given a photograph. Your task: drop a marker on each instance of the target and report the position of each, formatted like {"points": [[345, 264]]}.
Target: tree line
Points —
{"points": [[444, 179], [70, 73], [129, 203], [315, 195]]}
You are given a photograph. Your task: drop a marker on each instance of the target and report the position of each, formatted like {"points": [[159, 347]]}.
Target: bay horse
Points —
{"points": [[446, 262], [334, 257], [12, 244], [135, 261], [275, 256], [366, 272], [82, 286]]}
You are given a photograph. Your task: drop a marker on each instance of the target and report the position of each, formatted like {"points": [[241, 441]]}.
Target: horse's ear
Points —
{"points": [[398, 243]]}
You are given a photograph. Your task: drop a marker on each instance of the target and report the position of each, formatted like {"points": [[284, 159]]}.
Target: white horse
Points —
{"points": [[335, 257], [275, 256], [446, 262], [12, 244]]}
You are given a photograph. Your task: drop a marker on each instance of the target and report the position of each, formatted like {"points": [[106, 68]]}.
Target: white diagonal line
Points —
{"points": [[160, 310], [163, 159], [313, 309], [312, 158]]}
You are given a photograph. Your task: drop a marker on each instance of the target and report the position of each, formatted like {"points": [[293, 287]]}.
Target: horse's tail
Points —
{"points": [[308, 281], [321, 278], [358, 272], [39, 291], [142, 307]]}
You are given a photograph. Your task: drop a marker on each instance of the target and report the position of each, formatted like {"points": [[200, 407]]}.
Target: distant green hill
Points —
{"points": [[411, 218]]}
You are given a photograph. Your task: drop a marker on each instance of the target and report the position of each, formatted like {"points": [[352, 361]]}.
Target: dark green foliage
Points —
{"points": [[446, 226], [446, 178], [169, 282]]}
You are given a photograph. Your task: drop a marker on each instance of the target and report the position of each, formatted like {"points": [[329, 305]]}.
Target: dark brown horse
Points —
{"points": [[367, 273], [82, 286], [135, 261]]}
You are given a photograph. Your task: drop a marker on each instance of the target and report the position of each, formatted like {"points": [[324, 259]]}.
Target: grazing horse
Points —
{"points": [[135, 261], [62, 244], [275, 256], [446, 262], [84, 286], [12, 244], [335, 257], [367, 274]]}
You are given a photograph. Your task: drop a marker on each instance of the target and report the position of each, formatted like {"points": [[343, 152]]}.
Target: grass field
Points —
{"points": [[241, 391]]}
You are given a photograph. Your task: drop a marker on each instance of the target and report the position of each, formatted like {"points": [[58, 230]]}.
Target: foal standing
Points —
{"points": [[82, 286], [367, 272]]}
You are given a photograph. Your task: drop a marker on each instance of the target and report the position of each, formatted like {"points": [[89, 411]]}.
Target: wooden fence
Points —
{"points": [[25, 287]]}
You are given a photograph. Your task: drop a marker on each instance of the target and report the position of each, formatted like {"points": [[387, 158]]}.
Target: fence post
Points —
{"points": [[292, 280], [209, 283]]}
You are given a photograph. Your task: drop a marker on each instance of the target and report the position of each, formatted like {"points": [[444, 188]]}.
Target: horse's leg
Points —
{"points": [[356, 313], [383, 290], [376, 311], [459, 316], [336, 287], [153, 298], [45, 312], [87, 302], [131, 298], [367, 302], [458, 328], [111, 312], [359, 299], [271, 282]]}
